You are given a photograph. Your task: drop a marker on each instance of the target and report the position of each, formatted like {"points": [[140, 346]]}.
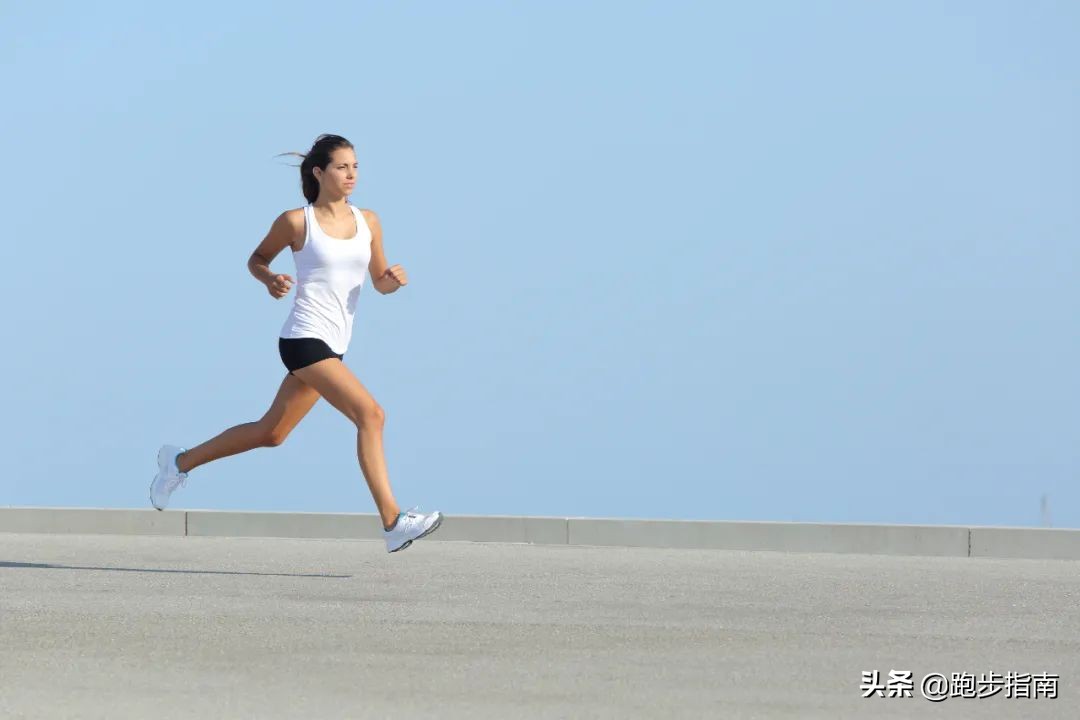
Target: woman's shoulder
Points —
{"points": [[293, 218], [294, 214], [369, 216]]}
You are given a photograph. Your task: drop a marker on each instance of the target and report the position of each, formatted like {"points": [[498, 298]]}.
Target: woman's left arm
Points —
{"points": [[384, 277]]}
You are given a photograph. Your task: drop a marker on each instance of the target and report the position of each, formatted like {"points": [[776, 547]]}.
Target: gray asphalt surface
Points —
{"points": [[143, 627]]}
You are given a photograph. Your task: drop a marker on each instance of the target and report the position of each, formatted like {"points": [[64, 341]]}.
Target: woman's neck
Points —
{"points": [[331, 205]]}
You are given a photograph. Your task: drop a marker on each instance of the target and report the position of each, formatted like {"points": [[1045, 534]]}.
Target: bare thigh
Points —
{"points": [[293, 401], [333, 380]]}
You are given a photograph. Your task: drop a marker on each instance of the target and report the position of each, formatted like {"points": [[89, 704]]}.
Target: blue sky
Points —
{"points": [[763, 261]]}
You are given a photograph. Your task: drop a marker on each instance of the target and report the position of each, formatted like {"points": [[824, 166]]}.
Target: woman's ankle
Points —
{"points": [[392, 523]]}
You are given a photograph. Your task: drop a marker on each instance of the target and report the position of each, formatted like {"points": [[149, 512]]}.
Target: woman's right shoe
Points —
{"points": [[168, 477], [411, 526]]}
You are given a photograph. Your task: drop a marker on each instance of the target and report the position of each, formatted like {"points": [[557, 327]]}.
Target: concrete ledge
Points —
{"points": [[283, 524], [918, 540], [364, 526], [90, 521], [946, 540], [498, 528], [1045, 543]]}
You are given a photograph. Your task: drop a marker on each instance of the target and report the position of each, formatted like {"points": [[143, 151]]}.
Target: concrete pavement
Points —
{"points": [[117, 627]]}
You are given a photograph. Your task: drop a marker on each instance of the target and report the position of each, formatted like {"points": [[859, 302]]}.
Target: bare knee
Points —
{"points": [[272, 436], [369, 416]]}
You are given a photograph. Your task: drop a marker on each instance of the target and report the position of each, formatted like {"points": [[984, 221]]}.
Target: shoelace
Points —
{"points": [[411, 517]]}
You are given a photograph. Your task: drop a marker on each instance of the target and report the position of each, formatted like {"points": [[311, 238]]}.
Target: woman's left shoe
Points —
{"points": [[411, 526]]}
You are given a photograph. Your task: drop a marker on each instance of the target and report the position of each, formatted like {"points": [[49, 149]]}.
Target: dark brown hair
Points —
{"points": [[317, 157]]}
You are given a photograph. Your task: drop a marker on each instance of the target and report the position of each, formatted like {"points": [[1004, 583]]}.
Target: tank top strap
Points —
{"points": [[361, 223], [308, 220]]}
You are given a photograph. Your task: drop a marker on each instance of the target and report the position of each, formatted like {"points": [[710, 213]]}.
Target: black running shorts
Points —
{"points": [[301, 352]]}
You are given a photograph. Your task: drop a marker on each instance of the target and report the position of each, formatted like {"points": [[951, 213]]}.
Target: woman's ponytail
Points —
{"points": [[317, 157]]}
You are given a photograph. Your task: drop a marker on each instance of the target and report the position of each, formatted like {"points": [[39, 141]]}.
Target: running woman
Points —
{"points": [[333, 244]]}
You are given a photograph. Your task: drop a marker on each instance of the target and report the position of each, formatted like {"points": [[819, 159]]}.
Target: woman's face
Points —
{"points": [[339, 177]]}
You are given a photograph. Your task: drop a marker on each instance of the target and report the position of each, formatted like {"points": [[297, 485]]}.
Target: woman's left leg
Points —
{"points": [[336, 383]]}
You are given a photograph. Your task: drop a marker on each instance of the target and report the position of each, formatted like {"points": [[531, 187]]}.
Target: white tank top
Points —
{"points": [[329, 275]]}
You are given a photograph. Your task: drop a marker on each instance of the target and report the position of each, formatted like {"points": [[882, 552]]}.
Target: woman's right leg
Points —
{"points": [[294, 399]]}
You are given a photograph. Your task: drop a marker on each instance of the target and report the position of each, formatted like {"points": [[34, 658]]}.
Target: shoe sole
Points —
{"points": [[161, 469], [434, 526]]}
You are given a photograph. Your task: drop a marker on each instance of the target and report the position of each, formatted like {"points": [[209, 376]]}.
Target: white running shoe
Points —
{"points": [[168, 478], [411, 526]]}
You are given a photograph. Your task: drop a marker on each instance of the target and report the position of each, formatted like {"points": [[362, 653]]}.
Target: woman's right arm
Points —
{"points": [[286, 230]]}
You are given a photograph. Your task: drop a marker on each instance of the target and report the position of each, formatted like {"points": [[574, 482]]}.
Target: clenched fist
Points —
{"points": [[279, 285], [396, 274]]}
